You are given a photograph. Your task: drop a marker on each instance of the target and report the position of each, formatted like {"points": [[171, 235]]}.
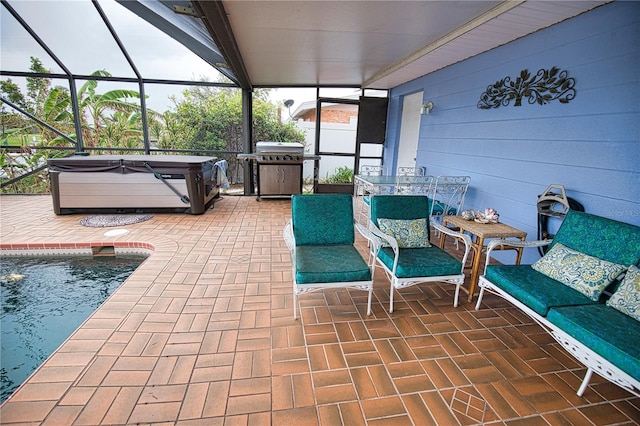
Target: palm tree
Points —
{"points": [[121, 131], [95, 107]]}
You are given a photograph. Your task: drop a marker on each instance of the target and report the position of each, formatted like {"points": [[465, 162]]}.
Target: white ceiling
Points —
{"points": [[373, 43]]}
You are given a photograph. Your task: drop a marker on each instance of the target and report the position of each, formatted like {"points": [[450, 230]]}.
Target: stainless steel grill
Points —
{"points": [[279, 152], [279, 157], [279, 168]]}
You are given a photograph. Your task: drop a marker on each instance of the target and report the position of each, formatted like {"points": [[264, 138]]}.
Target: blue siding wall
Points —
{"points": [[590, 145]]}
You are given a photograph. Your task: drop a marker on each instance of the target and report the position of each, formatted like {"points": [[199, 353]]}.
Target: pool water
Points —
{"points": [[43, 300]]}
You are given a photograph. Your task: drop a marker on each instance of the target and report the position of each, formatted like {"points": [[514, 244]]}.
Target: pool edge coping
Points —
{"points": [[75, 248]]}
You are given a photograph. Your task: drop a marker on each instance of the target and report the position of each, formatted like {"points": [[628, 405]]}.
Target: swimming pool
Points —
{"points": [[43, 299]]}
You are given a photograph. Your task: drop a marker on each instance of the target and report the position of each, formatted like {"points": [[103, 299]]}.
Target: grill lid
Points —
{"points": [[294, 148]]}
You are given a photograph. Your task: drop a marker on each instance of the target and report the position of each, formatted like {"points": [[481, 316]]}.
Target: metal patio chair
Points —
{"points": [[320, 237], [406, 255], [448, 196], [408, 179], [365, 201], [410, 171]]}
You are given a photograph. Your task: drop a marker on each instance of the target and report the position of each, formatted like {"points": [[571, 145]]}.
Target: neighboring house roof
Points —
{"points": [[308, 108]]}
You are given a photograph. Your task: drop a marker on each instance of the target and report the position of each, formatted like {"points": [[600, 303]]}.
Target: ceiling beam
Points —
{"points": [[216, 21], [469, 26], [185, 28]]}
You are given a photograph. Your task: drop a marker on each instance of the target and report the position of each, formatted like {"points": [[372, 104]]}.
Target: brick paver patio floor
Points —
{"points": [[203, 334]]}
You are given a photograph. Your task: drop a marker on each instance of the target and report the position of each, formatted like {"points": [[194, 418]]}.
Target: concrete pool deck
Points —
{"points": [[202, 333]]}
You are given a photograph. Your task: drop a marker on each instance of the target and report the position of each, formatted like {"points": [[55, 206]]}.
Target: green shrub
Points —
{"points": [[342, 175]]}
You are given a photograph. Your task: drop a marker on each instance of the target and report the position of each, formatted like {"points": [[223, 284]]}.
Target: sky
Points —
{"points": [[82, 42]]}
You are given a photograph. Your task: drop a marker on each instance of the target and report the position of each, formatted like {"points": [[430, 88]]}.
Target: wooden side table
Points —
{"points": [[482, 231]]}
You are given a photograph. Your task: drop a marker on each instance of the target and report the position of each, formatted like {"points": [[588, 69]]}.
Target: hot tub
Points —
{"points": [[133, 183]]}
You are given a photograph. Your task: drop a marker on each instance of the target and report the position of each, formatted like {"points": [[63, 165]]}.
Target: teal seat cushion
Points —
{"points": [[421, 262], [536, 290], [320, 219], [438, 209], [328, 264], [608, 332]]}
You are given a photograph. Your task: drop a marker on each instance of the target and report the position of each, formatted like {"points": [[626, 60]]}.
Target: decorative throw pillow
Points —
{"points": [[409, 233], [586, 274], [627, 298]]}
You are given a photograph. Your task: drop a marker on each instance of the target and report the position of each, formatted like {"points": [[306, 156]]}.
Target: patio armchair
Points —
{"points": [[448, 196], [405, 175], [363, 210], [320, 237], [406, 254], [410, 171], [415, 185]]}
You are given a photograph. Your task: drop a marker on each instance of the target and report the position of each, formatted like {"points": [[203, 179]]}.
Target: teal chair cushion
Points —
{"points": [[438, 209], [332, 263], [399, 207], [421, 262], [614, 241], [536, 290], [609, 333], [321, 219]]}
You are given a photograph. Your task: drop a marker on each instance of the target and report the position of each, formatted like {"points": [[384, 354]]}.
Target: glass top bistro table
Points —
{"points": [[392, 184], [482, 231]]}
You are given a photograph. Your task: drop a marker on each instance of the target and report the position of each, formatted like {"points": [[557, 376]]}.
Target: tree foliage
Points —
{"points": [[52, 105], [101, 112], [205, 118], [211, 118]]}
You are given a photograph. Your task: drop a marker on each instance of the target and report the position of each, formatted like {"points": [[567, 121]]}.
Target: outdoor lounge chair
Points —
{"points": [[320, 237], [408, 258]]}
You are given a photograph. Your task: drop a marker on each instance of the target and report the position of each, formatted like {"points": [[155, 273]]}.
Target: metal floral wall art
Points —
{"points": [[543, 87]]}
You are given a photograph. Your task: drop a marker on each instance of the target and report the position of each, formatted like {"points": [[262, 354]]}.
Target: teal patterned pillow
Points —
{"points": [[409, 233], [627, 298], [586, 274]]}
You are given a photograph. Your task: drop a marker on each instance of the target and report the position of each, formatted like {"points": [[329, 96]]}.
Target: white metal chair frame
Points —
{"points": [[593, 362], [448, 195], [415, 185], [410, 171], [364, 197], [400, 283], [404, 282], [371, 170], [298, 289]]}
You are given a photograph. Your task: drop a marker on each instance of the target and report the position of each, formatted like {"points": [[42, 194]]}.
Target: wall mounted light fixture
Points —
{"points": [[426, 108]]}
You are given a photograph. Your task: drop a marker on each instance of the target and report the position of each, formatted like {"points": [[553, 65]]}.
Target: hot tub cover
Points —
{"points": [[170, 164]]}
